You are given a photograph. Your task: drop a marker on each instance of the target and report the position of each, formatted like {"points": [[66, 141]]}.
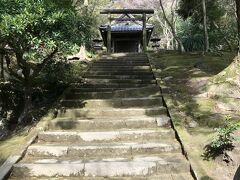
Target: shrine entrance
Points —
{"points": [[128, 32]]}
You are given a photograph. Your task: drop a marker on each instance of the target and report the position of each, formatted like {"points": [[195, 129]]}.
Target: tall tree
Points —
{"points": [[37, 31], [205, 26], [203, 15], [238, 23], [173, 29]]}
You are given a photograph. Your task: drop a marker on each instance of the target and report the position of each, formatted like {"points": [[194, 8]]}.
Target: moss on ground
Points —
{"points": [[9, 145], [185, 79]]}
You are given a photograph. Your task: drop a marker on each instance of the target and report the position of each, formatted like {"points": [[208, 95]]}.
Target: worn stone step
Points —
{"points": [[120, 63], [115, 167], [140, 77], [112, 102], [114, 124], [161, 176], [114, 85], [121, 68], [103, 95], [122, 60], [112, 112], [79, 89], [109, 81], [106, 136], [114, 72], [149, 91], [125, 57], [131, 59], [99, 151]]}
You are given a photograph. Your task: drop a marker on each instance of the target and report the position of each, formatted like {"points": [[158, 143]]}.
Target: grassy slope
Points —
{"points": [[184, 79]]}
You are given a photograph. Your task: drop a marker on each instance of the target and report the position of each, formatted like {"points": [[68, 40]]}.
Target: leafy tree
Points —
{"points": [[189, 8], [172, 27], [238, 23], [206, 16], [36, 32]]}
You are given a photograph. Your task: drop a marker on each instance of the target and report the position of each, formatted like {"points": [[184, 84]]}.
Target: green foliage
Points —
{"points": [[10, 97], [219, 12], [223, 140], [31, 24], [40, 33], [192, 37], [189, 8]]}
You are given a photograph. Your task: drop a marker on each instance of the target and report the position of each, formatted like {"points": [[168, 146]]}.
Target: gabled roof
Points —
{"points": [[126, 26]]}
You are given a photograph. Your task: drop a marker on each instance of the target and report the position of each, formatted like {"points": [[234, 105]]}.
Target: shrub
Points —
{"points": [[223, 141]]}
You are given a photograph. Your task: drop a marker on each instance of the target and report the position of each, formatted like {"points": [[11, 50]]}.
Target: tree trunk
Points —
{"points": [[27, 102], [205, 26], [238, 24], [2, 67], [27, 88], [179, 41]]}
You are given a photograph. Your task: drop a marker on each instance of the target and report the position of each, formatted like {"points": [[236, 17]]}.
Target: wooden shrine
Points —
{"points": [[128, 32]]}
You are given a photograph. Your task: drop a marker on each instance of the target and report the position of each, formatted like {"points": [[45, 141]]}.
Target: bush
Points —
{"points": [[223, 141], [10, 98]]}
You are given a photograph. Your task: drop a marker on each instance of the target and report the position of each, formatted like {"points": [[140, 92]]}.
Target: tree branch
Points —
{"points": [[45, 61], [181, 48]]}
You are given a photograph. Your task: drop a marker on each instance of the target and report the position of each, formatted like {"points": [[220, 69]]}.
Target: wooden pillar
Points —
{"points": [[109, 34], [144, 33]]}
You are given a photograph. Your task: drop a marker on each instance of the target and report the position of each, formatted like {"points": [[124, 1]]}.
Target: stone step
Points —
{"points": [[75, 98], [114, 72], [130, 59], [125, 58], [76, 89], [120, 63], [162, 176], [141, 77], [149, 90], [125, 81], [121, 68], [114, 85], [99, 151], [113, 102], [112, 125], [103, 124], [112, 112], [143, 135], [173, 176], [114, 167]]}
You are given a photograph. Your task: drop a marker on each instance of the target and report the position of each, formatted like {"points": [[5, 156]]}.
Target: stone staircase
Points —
{"points": [[112, 126]]}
